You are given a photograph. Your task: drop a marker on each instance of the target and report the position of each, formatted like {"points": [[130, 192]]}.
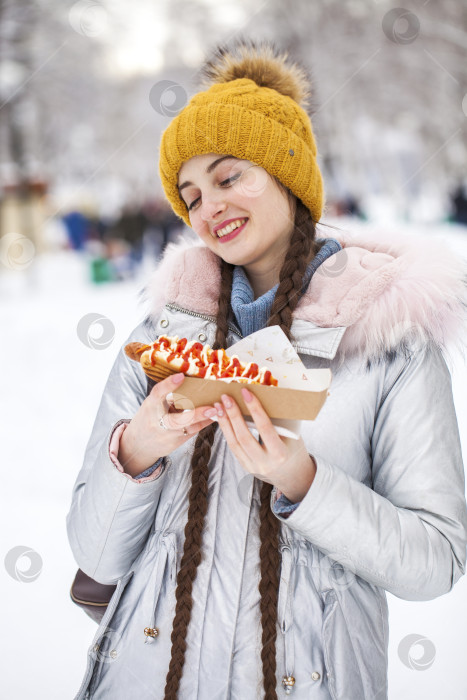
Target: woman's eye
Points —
{"points": [[222, 184], [193, 203], [230, 179]]}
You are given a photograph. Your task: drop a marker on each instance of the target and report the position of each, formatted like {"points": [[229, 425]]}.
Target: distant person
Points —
{"points": [[351, 206], [459, 203], [282, 591], [131, 226]]}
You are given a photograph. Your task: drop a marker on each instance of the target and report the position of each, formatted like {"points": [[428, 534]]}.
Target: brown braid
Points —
{"points": [[301, 250], [268, 588], [197, 508]]}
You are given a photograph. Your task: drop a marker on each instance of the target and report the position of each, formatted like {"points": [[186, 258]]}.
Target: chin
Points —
{"points": [[233, 259]]}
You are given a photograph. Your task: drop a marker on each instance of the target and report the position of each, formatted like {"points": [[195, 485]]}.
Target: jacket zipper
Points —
{"points": [[286, 616], [212, 319], [166, 557]]}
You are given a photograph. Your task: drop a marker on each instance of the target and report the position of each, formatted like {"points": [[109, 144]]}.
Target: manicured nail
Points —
{"points": [[210, 413], [247, 395], [220, 412], [178, 378], [226, 400]]}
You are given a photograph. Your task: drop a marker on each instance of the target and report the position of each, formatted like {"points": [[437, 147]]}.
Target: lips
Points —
{"points": [[225, 223], [232, 234]]}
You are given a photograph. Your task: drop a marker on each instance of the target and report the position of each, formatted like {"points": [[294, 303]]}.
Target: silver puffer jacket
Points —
{"points": [[386, 511]]}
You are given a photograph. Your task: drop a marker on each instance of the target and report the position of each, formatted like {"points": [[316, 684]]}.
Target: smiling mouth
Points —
{"points": [[230, 227]]}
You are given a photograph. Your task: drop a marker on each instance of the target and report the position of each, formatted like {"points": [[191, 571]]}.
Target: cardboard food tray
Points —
{"points": [[294, 404], [300, 395]]}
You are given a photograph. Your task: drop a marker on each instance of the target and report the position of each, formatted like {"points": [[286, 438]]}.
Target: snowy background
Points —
{"points": [[51, 386]]}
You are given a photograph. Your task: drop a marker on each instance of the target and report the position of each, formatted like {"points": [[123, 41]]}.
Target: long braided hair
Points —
{"points": [[302, 248]]}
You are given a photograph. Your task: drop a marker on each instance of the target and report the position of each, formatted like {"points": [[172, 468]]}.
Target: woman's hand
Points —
{"points": [[281, 461], [146, 439]]}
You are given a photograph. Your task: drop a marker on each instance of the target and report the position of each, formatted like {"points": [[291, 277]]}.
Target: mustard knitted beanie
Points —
{"points": [[253, 110]]}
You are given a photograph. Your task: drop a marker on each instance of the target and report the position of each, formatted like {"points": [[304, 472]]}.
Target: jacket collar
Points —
{"points": [[363, 300], [311, 339]]}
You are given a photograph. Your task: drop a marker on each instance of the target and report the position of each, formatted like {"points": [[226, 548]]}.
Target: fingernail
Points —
{"points": [[220, 412], [226, 400], [247, 395], [178, 378], [210, 413]]}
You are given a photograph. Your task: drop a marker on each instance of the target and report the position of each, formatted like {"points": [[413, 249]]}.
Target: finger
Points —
{"points": [[268, 434], [235, 429], [229, 434], [162, 389], [195, 428], [194, 416], [186, 432], [162, 392]]}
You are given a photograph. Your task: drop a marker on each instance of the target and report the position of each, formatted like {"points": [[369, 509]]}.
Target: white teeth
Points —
{"points": [[230, 227]]}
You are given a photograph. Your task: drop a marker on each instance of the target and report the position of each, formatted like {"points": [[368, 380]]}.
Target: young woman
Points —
{"points": [[254, 568]]}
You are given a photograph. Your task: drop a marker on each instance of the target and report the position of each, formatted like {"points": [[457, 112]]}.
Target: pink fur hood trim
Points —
{"points": [[381, 289]]}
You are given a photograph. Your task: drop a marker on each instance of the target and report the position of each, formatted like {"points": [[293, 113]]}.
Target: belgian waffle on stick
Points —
{"points": [[169, 355]]}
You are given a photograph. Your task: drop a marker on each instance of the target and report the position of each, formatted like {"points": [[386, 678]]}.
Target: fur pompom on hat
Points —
{"points": [[253, 109]]}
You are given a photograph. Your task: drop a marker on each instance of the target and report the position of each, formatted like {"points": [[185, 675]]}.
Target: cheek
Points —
{"points": [[200, 227], [195, 221], [280, 211]]}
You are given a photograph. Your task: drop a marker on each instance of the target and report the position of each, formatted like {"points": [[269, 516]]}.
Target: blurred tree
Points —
{"points": [[390, 89], [77, 110]]}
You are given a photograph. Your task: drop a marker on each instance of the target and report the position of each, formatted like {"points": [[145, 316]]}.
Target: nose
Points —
{"points": [[211, 208]]}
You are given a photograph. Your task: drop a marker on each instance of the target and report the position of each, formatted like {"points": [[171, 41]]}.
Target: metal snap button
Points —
{"points": [[288, 683], [164, 323], [315, 676], [96, 648], [202, 337], [113, 654]]}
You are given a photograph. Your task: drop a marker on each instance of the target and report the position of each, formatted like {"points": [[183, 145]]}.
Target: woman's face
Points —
{"points": [[221, 192]]}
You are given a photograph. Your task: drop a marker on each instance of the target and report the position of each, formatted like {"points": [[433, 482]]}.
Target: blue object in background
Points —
{"points": [[77, 229]]}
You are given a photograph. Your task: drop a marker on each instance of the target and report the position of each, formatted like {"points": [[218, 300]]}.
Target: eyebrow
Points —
{"points": [[209, 170]]}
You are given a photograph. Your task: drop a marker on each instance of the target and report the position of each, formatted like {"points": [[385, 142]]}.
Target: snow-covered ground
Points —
{"points": [[50, 388]]}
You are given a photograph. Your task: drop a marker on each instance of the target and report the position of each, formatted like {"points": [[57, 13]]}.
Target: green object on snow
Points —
{"points": [[101, 270]]}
